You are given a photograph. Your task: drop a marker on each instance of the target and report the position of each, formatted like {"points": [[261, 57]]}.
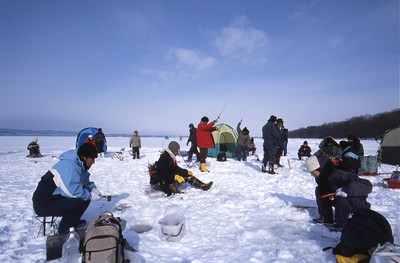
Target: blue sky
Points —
{"points": [[156, 66]]}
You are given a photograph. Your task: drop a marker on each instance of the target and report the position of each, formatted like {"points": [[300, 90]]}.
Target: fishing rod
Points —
{"points": [[223, 108]]}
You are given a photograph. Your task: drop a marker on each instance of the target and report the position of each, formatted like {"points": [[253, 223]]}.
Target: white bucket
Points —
{"points": [[172, 227]]}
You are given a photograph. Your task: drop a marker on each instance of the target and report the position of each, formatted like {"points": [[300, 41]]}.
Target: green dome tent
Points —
{"points": [[389, 152], [225, 138]]}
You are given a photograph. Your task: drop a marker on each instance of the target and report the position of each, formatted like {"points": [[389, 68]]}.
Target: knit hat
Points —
{"points": [[204, 119], [245, 131], [272, 118], [87, 150], [173, 146], [279, 120], [135, 132], [191, 125], [312, 163], [305, 142]]}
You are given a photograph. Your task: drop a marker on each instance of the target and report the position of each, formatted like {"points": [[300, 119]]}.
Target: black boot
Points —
{"points": [[197, 183], [271, 168], [263, 168]]}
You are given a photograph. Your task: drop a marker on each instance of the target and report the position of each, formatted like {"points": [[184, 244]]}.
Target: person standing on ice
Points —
{"points": [[270, 136], [193, 140], [65, 190], [279, 150], [169, 175], [205, 139], [100, 139], [335, 187], [243, 142], [135, 143]]}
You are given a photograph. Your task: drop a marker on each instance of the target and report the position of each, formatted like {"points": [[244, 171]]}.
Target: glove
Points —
{"points": [[216, 120], [94, 196], [190, 172], [340, 192], [179, 179]]}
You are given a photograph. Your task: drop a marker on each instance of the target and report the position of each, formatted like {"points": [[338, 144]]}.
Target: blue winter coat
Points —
{"points": [[68, 178]]}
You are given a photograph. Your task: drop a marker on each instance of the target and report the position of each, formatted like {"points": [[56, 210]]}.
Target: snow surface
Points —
{"points": [[246, 216]]}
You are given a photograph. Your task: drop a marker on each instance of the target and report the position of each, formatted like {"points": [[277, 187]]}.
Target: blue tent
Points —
{"points": [[83, 135]]}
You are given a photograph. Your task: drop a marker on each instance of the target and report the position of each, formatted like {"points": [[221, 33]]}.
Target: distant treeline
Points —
{"points": [[367, 126]]}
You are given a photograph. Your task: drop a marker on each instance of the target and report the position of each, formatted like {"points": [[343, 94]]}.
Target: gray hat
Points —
{"points": [[173, 146], [312, 163]]}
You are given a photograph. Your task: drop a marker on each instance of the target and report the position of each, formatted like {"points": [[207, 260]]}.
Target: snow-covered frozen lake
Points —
{"points": [[247, 216]]}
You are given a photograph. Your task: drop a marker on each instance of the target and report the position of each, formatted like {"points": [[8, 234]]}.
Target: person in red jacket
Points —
{"points": [[205, 140]]}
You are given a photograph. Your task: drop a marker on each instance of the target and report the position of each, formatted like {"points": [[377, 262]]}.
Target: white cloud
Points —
{"points": [[243, 42], [192, 58]]}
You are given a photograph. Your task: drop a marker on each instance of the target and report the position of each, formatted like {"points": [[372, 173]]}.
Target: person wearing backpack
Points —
{"points": [[65, 190], [169, 175], [349, 192]]}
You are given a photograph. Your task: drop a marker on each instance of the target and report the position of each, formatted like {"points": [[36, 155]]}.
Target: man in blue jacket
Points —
{"points": [[65, 190]]}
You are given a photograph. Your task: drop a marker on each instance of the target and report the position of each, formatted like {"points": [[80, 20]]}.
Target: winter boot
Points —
{"points": [[197, 183], [263, 168], [203, 167], [271, 168]]}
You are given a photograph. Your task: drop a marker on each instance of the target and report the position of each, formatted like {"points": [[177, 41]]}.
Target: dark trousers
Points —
{"points": [[203, 154], [193, 150], [135, 152], [269, 155], [324, 205], [344, 206], [70, 209]]}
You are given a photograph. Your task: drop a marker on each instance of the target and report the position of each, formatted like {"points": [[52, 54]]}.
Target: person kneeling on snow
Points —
{"points": [[65, 190], [169, 175], [342, 189]]}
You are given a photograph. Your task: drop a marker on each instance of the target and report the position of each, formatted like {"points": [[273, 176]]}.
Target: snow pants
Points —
{"points": [[203, 155], [193, 150], [241, 153], [344, 206], [70, 209], [269, 154], [324, 206], [135, 152]]}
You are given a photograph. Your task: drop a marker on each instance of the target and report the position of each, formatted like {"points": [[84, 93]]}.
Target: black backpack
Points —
{"points": [[362, 234]]}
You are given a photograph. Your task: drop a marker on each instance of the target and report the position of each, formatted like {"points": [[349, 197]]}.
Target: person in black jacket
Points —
{"points": [[169, 175], [193, 140], [34, 149], [304, 150], [100, 139], [270, 136], [346, 191]]}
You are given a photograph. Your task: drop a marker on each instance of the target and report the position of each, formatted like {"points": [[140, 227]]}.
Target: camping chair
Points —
{"points": [[120, 154], [189, 164]]}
